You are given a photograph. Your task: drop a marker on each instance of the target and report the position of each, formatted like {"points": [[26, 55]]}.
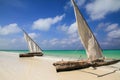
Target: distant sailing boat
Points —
{"points": [[92, 47], [34, 49]]}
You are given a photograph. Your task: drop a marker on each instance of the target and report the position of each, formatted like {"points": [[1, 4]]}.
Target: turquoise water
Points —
{"points": [[79, 54]]}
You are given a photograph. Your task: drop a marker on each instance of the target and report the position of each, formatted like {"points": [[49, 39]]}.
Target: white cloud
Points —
{"points": [[109, 37], [114, 34], [54, 41], [107, 26], [16, 39], [102, 25], [72, 29], [66, 42], [17, 43], [112, 27], [111, 30], [45, 24], [70, 41], [9, 29], [62, 28], [80, 2], [33, 35], [112, 39], [98, 9], [69, 4]]}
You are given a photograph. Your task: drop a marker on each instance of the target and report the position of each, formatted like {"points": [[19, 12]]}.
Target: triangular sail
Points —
{"points": [[88, 40], [33, 47]]}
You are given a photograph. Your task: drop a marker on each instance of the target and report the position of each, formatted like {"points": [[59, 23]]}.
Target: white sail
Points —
{"points": [[33, 47], [87, 38]]}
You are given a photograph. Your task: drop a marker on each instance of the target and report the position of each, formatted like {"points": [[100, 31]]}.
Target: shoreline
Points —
{"points": [[72, 54], [40, 68]]}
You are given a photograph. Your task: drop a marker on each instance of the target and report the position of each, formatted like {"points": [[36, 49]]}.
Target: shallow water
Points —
{"points": [[72, 54]]}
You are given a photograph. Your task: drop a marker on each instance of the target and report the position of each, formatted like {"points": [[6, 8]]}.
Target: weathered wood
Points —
{"points": [[25, 55], [31, 54], [36, 53], [70, 65], [74, 65], [97, 64]]}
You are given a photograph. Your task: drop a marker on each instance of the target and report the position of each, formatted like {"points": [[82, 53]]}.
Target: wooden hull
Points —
{"points": [[25, 55], [97, 64], [74, 65], [70, 65], [31, 54]]}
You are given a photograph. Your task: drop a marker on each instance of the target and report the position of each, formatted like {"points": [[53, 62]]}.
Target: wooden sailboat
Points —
{"points": [[91, 45], [34, 49]]}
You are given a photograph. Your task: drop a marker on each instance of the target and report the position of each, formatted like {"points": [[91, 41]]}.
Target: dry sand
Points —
{"points": [[14, 68], [88, 74]]}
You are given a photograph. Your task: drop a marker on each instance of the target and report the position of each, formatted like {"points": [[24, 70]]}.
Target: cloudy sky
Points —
{"points": [[51, 23]]}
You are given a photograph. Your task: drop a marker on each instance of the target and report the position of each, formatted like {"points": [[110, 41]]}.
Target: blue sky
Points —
{"points": [[51, 23]]}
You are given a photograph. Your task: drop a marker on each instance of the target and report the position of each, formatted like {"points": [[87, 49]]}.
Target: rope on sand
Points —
{"points": [[102, 74], [107, 73]]}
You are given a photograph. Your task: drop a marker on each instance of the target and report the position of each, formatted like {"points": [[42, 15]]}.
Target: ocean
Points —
{"points": [[72, 54]]}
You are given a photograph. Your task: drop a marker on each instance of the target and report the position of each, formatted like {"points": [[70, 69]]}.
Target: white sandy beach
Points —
{"points": [[14, 68]]}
